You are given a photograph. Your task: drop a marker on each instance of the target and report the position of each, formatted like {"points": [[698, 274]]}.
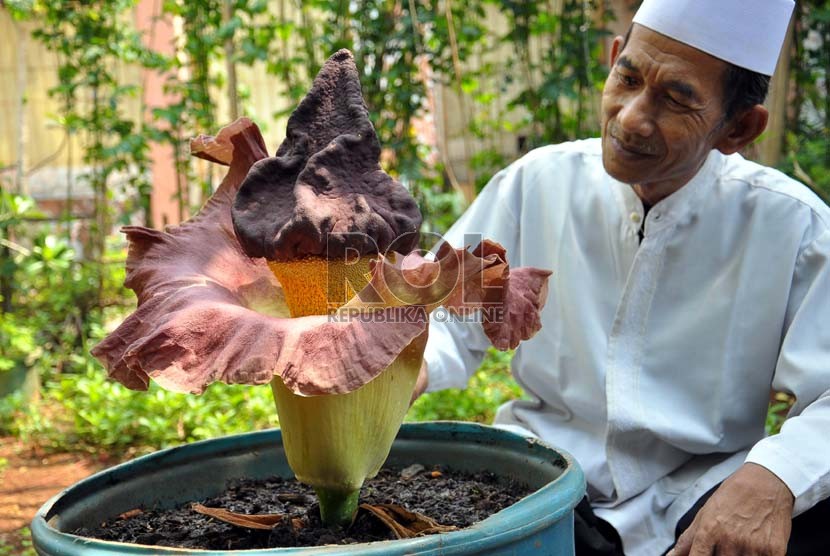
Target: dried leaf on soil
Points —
{"points": [[405, 524], [265, 522], [129, 514]]}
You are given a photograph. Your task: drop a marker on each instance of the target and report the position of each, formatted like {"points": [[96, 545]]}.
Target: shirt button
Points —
{"points": [[635, 217]]}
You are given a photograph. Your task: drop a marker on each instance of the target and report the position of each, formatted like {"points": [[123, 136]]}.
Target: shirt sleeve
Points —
{"points": [[455, 349], [800, 454]]}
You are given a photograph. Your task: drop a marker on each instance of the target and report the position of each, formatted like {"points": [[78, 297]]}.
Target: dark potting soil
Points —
{"points": [[449, 497]]}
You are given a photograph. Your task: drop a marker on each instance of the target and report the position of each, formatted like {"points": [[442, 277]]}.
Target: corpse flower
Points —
{"points": [[302, 271]]}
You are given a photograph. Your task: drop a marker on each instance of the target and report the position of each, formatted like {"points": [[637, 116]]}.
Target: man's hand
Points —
{"points": [[420, 384], [750, 513]]}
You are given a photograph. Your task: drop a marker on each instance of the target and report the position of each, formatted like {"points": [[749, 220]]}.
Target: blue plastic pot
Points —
{"points": [[541, 523]]}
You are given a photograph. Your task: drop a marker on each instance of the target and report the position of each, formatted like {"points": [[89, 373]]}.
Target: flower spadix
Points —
{"points": [[301, 272]]}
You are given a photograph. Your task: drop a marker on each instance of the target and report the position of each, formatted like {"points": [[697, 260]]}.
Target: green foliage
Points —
{"points": [[14, 209], [87, 411], [486, 164], [19, 9], [26, 327], [24, 548], [57, 318], [442, 207], [777, 412], [776, 415], [58, 301], [17, 336], [91, 412], [56, 309], [189, 81], [807, 146], [560, 84], [491, 386]]}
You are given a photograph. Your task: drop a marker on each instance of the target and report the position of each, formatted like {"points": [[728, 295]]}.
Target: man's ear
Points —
{"points": [[616, 48], [743, 130]]}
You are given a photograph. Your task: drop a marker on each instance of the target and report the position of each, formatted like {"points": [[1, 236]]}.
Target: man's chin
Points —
{"points": [[624, 173]]}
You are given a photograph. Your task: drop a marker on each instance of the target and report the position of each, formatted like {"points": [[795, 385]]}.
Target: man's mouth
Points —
{"points": [[628, 146], [632, 149]]}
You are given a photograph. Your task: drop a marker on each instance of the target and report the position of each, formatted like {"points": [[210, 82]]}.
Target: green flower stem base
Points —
{"points": [[337, 508]]}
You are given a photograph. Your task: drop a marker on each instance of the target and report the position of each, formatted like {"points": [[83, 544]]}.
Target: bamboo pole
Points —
{"points": [[20, 171], [771, 145], [230, 64]]}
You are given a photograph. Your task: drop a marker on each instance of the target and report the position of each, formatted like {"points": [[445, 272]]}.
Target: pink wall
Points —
{"points": [[159, 36]]}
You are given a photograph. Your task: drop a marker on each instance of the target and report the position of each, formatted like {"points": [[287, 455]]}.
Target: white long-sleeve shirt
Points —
{"points": [[655, 360]]}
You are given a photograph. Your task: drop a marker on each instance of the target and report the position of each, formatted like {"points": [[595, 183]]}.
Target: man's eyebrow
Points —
{"points": [[626, 62], [682, 88]]}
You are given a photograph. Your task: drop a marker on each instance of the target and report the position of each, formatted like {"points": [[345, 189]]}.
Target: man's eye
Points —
{"points": [[675, 103], [627, 80]]}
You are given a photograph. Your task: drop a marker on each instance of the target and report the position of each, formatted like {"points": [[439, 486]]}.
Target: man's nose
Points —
{"points": [[636, 115]]}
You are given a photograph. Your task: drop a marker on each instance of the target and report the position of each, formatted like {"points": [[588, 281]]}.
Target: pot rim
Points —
{"points": [[515, 521]]}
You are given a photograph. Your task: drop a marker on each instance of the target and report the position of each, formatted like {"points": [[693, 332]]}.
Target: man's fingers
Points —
{"points": [[703, 545], [694, 542], [684, 543], [750, 513], [421, 383]]}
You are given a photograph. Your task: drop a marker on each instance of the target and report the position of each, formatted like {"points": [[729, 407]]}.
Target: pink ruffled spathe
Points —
{"points": [[207, 312]]}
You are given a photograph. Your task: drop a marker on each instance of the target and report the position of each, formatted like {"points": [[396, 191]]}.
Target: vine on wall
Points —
{"points": [[92, 42], [808, 126], [544, 88]]}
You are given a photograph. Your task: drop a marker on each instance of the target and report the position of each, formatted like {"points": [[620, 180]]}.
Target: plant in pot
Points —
{"points": [[302, 271], [18, 330]]}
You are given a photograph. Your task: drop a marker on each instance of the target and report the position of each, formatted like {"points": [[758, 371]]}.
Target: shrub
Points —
{"points": [[491, 386]]}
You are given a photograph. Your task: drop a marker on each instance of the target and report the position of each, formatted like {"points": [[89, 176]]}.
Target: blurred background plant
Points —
{"points": [[807, 142], [23, 548], [456, 90], [489, 387]]}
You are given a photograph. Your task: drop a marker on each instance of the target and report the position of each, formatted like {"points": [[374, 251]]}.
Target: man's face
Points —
{"points": [[661, 112]]}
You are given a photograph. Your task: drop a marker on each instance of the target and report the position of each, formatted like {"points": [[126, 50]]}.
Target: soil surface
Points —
{"points": [[448, 497]]}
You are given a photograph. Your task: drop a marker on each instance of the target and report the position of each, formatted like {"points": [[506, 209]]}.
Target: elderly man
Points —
{"points": [[687, 282]]}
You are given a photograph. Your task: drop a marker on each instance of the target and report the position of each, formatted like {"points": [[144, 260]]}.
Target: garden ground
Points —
{"points": [[28, 478]]}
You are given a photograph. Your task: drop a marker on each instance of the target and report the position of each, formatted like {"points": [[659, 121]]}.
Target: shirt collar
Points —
{"points": [[679, 205]]}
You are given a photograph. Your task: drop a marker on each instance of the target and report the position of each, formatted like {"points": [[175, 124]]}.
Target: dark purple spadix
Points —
{"points": [[323, 193]]}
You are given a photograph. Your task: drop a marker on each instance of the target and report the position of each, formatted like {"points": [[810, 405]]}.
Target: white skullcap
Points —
{"points": [[747, 33]]}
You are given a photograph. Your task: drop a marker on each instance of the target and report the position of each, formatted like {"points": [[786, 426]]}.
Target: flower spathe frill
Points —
{"points": [[207, 312]]}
